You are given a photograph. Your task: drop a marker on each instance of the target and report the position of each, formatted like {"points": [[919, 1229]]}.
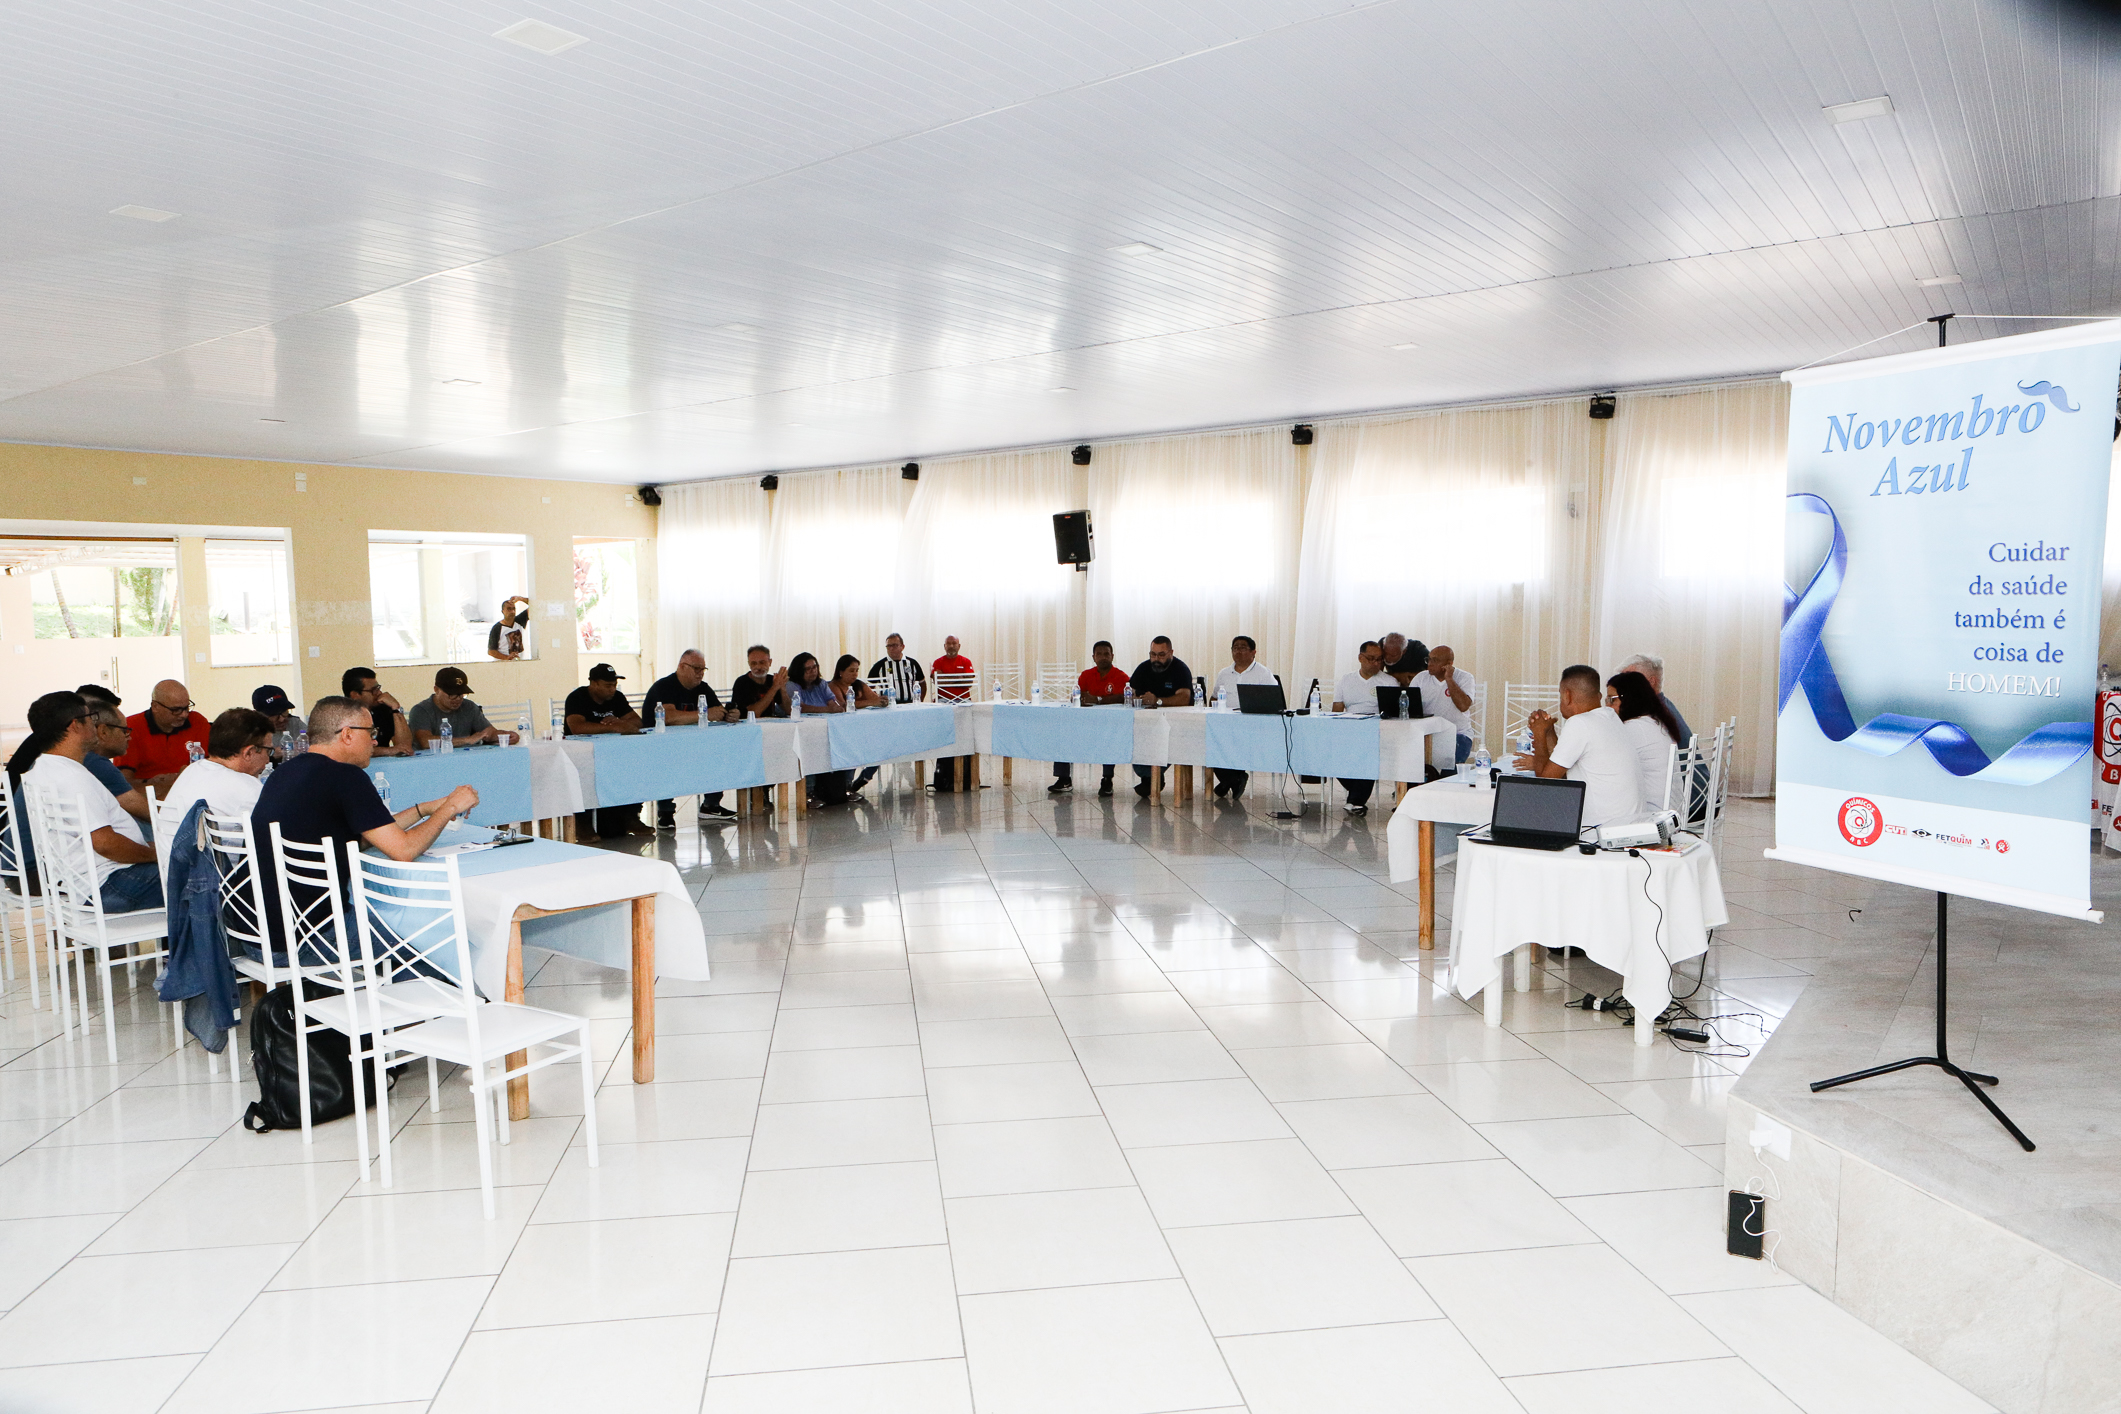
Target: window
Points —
{"points": [[247, 615], [1720, 528], [85, 589], [607, 596], [438, 598]]}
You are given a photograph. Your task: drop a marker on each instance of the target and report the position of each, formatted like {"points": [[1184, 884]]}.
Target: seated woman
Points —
{"points": [[1650, 729], [852, 692], [810, 687]]}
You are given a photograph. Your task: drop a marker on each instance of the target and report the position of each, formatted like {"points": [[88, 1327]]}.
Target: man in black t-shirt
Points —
{"points": [[325, 793], [762, 690], [679, 696], [599, 709], [393, 733], [1162, 680]]}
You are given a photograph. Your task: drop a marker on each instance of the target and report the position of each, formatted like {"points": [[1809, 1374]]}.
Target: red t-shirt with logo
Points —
{"points": [[952, 663], [1102, 682]]}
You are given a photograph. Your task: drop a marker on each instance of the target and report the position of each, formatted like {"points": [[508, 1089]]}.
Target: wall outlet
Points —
{"points": [[196, 657], [1768, 1135], [139, 481], [1746, 1229], [316, 652]]}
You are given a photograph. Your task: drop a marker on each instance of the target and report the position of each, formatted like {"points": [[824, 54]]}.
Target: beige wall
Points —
{"points": [[329, 524]]}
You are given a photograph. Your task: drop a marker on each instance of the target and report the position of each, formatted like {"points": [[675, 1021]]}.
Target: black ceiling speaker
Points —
{"points": [[1602, 405], [650, 496], [1300, 434], [911, 471], [1081, 455], [1071, 538], [769, 482]]}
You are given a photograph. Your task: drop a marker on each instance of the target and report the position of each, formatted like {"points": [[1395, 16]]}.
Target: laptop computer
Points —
{"points": [[1393, 701], [1261, 699], [1535, 812]]}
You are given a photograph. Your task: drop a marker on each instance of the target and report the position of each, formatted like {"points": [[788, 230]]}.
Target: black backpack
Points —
{"points": [[272, 1057]]}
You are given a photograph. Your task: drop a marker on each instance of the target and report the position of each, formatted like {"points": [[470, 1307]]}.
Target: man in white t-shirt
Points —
{"points": [[1356, 694], [125, 865], [1589, 744], [1244, 667], [1447, 692], [238, 749]]}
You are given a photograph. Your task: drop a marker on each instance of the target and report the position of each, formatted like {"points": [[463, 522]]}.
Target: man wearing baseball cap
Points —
{"points": [[273, 702], [595, 710], [452, 703]]}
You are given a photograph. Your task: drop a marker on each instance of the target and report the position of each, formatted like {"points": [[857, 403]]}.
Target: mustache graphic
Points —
{"points": [[2050, 391]]}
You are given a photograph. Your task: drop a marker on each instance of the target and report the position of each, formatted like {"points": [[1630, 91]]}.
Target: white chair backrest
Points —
{"points": [[311, 910], [66, 860], [165, 823], [410, 919], [1719, 787], [1519, 701], [1058, 679], [242, 887], [955, 687], [14, 833], [505, 715], [1478, 716], [1007, 678]]}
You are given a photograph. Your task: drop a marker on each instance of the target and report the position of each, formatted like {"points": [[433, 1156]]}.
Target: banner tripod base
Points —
{"points": [[1942, 1060]]}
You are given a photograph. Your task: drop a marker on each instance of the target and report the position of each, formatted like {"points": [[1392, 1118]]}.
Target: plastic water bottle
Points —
{"points": [[195, 751], [559, 721], [890, 694], [795, 704], [699, 705], [1075, 696], [997, 692], [1038, 693], [383, 790], [1524, 740], [1222, 697], [1481, 759], [661, 724], [301, 742], [449, 737], [1127, 697], [1317, 702], [523, 728]]}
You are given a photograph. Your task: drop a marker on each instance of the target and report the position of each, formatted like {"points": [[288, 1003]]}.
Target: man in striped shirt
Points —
{"points": [[902, 673]]}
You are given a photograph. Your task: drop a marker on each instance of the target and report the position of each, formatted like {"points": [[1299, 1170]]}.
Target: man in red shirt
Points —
{"points": [[161, 735], [952, 661], [1102, 685]]}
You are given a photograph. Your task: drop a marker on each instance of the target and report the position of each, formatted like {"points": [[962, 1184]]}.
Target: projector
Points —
{"points": [[1657, 831]]}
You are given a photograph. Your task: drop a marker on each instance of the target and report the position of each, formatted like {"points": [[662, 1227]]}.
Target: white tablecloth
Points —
{"points": [[555, 783], [1454, 800], [1507, 898], [551, 875]]}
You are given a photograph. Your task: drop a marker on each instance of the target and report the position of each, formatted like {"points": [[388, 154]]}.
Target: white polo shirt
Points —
{"points": [[62, 775], [1358, 694], [1230, 677], [1595, 749], [1437, 702], [225, 791]]}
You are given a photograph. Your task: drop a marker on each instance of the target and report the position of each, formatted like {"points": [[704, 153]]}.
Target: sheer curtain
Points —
{"points": [[710, 563], [976, 560], [1692, 563], [832, 563], [1465, 528], [1197, 539]]}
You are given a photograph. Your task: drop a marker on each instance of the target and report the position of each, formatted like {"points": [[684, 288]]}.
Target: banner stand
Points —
{"points": [[1942, 1060]]}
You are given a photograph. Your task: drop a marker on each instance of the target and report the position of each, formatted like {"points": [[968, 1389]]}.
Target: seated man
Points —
{"points": [[393, 732], [506, 638], [238, 749], [161, 736], [596, 710], [112, 736], [452, 703], [760, 692], [952, 661], [325, 794], [1356, 693], [908, 682], [1404, 657], [273, 703], [1244, 667], [679, 695], [1589, 744], [1101, 685], [1447, 692], [1161, 680], [126, 879]]}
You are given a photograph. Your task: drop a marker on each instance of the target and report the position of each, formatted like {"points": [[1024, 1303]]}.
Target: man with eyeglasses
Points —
{"points": [[162, 737], [111, 738]]}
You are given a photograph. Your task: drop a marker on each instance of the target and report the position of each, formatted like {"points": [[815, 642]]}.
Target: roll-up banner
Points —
{"points": [[1946, 525]]}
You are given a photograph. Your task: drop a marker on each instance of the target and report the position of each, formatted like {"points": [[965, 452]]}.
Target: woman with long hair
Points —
{"points": [[1650, 729]]}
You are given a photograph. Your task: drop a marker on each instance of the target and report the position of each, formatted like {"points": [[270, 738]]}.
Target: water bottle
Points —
{"points": [[383, 790], [699, 705], [280, 742], [660, 724], [997, 692], [1038, 693], [890, 694], [1524, 740], [302, 742], [1317, 702], [1075, 696], [195, 751], [449, 737], [1222, 697], [1481, 759], [1127, 697], [795, 705], [523, 728]]}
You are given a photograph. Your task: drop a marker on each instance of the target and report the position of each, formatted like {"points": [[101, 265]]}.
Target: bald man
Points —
{"points": [[162, 738]]}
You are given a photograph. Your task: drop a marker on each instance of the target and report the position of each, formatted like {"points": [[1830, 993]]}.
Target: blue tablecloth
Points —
{"points": [[1308, 746], [500, 774], [1099, 736], [680, 761], [867, 738]]}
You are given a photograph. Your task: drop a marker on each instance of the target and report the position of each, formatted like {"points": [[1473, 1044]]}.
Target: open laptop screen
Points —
{"points": [[1537, 804]]}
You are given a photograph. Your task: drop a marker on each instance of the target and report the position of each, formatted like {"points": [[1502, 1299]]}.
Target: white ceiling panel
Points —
{"points": [[731, 237]]}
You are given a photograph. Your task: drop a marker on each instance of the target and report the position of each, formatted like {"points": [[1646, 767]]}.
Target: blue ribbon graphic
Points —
{"points": [[2044, 754]]}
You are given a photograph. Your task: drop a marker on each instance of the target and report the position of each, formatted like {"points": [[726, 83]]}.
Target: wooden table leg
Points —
{"points": [[644, 990], [1156, 782], [1008, 773], [518, 1088], [920, 774], [1425, 849]]}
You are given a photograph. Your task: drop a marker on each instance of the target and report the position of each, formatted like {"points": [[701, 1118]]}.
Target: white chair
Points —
{"points": [[505, 715], [1478, 716], [82, 933], [1519, 701], [1006, 679], [955, 687], [243, 917], [1057, 680], [15, 894], [398, 960], [1719, 787]]}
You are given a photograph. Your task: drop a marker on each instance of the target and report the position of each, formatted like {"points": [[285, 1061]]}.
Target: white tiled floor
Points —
{"points": [[993, 1103]]}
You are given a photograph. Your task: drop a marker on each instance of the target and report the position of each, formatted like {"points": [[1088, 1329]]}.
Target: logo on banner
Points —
{"points": [[1860, 821]]}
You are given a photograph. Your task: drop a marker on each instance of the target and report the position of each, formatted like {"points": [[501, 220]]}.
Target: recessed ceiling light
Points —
{"points": [[738, 328], [1879, 107], [1060, 390], [1137, 248], [461, 382], [272, 419], [1402, 348], [1936, 280], [536, 34], [143, 213]]}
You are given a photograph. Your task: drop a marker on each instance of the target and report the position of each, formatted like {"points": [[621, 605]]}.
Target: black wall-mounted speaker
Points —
{"points": [[650, 496], [1602, 406], [769, 482], [1071, 537], [1300, 434], [911, 471], [1081, 455]]}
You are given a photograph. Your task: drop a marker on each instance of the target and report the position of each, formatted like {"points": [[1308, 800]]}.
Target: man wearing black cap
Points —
{"points": [[452, 703], [272, 701], [601, 708]]}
